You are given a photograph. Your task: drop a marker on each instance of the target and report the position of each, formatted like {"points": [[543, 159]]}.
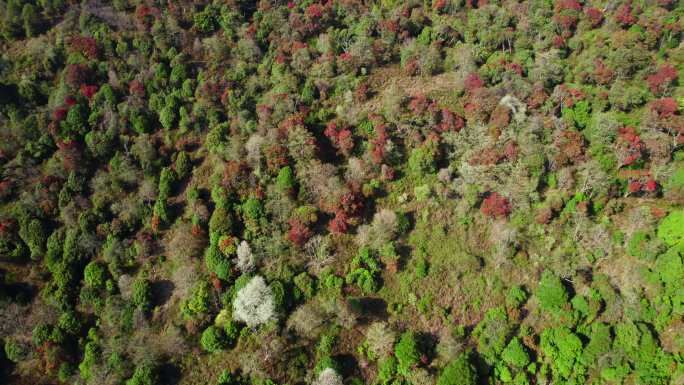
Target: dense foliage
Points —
{"points": [[342, 192]]}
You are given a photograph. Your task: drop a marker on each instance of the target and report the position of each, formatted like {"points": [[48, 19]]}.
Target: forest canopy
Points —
{"points": [[333, 192]]}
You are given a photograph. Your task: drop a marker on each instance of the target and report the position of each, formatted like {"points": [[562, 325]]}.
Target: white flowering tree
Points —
{"points": [[245, 258], [328, 376], [254, 303]]}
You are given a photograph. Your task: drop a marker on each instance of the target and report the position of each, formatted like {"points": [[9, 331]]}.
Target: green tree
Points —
{"points": [[285, 180], [41, 334], [492, 334], [161, 210], [423, 160], [142, 294], [217, 263], [407, 353], [365, 271], [252, 208], [459, 372], [167, 117], [11, 26], [167, 178], [220, 223], [33, 234], [70, 323], [515, 354], [199, 302], [95, 275], [140, 121], [15, 351], [30, 19], [551, 293], [76, 123], [671, 228], [206, 20], [213, 339], [183, 165], [562, 350], [145, 374]]}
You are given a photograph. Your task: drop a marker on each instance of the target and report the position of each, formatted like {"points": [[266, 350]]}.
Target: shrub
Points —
{"points": [[403, 223], [254, 303], [422, 267], [227, 378], [422, 192], [213, 339], [459, 372], [407, 353]]}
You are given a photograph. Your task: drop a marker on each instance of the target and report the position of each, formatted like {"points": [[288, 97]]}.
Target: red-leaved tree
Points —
{"points": [[85, 45], [659, 81], [299, 233], [495, 206], [339, 224], [341, 138]]}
